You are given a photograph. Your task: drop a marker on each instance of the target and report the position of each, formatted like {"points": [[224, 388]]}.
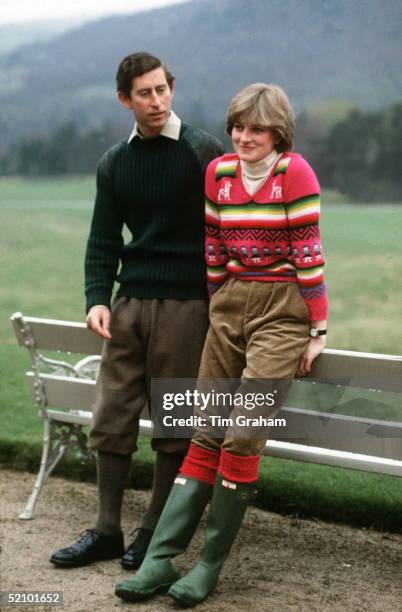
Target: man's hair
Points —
{"points": [[135, 65], [266, 106]]}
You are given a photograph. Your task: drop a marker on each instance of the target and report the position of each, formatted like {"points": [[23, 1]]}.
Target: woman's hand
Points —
{"points": [[314, 348]]}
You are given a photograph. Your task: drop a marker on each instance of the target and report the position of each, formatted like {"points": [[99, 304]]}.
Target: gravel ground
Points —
{"points": [[277, 563]]}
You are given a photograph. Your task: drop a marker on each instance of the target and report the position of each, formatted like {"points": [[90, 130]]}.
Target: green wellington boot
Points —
{"points": [[176, 527], [228, 506]]}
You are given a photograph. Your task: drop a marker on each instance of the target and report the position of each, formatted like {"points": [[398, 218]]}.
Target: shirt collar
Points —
{"points": [[171, 129]]}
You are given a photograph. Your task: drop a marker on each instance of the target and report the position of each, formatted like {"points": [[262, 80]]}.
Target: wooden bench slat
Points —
{"points": [[72, 394], [65, 392], [81, 417], [323, 456], [65, 336], [365, 370], [345, 433]]}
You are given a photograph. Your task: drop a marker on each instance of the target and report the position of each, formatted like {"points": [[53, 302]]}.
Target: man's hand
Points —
{"points": [[314, 348], [98, 319]]}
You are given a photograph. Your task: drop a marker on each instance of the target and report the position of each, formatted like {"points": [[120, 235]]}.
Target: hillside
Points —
{"points": [[315, 48], [15, 35]]}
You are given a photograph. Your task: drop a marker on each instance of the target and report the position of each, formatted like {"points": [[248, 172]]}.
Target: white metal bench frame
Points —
{"points": [[70, 387]]}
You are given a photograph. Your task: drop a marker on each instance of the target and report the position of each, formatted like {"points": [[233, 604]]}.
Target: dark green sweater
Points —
{"points": [[156, 187]]}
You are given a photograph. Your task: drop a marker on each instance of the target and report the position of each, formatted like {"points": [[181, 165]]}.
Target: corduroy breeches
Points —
{"points": [[258, 333]]}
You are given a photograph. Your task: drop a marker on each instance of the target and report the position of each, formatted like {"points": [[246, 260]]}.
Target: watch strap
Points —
{"points": [[314, 332]]}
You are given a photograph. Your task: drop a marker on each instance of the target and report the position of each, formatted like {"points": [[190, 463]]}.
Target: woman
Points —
{"points": [[267, 321]]}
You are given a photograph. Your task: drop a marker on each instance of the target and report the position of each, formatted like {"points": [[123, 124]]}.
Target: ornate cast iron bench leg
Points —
{"points": [[58, 437], [50, 458]]}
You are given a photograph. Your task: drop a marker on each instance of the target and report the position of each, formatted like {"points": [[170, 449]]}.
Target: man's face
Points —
{"points": [[150, 100]]}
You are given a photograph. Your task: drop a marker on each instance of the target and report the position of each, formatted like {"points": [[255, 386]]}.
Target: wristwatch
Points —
{"points": [[314, 332]]}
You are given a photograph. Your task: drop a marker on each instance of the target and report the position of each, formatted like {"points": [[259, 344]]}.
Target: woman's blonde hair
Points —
{"points": [[265, 105]]}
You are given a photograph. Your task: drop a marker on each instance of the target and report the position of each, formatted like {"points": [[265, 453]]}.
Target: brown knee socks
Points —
{"points": [[113, 470]]}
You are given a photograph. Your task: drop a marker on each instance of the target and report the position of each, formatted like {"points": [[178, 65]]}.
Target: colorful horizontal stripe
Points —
{"points": [[279, 267], [304, 211], [226, 168], [257, 216], [282, 166], [211, 213], [216, 274], [310, 276]]}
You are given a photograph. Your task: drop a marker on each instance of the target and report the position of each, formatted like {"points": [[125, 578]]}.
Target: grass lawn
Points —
{"points": [[73, 191], [42, 241]]}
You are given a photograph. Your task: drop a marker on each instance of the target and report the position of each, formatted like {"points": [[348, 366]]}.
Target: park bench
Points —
{"points": [[64, 393]]}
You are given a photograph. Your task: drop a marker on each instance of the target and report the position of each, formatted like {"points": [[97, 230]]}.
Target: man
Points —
{"points": [[154, 184]]}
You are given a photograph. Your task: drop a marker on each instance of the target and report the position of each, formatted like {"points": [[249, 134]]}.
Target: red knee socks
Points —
{"points": [[237, 468], [200, 464]]}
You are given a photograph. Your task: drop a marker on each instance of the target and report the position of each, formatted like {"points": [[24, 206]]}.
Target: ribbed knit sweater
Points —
{"points": [[156, 187], [272, 235]]}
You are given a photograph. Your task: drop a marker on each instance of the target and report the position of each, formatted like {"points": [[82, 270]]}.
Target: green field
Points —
{"points": [[42, 241], [43, 230]]}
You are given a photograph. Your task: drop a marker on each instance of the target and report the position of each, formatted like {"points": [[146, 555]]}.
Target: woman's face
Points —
{"points": [[252, 142]]}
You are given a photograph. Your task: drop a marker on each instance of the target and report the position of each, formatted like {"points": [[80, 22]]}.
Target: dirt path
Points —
{"points": [[277, 564]]}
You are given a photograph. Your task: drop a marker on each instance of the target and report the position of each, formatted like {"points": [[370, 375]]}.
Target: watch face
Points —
{"points": [[314, 332]]}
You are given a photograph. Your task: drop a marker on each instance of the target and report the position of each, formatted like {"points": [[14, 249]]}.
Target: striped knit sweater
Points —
{"points": [[270, 236]]}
